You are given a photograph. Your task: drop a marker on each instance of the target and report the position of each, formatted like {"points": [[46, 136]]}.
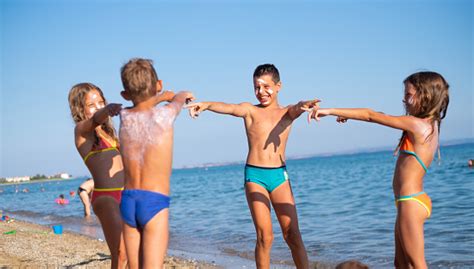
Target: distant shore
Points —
{"points": [[37, 181], [27, 245]]}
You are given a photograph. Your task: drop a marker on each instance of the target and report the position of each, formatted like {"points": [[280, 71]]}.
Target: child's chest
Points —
{"points": [[271, 122]]}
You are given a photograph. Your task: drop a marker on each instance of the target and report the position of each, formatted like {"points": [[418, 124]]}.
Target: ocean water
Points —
{"points": [[345, 208]]}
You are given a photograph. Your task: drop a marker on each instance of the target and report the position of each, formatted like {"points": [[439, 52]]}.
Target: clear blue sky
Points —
{"points": [[348, 54]]}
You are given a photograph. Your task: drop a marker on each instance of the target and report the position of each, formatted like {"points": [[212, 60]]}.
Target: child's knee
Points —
{"points": [[122, 254], [265, 239], [417, 262], [292, 236]]}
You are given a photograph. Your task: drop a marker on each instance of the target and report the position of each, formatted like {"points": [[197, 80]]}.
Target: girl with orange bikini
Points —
{"points": [[97, 144], [426, 102]]}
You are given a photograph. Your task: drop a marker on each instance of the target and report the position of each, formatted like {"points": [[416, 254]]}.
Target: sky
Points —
{"points": [[347, 53]]}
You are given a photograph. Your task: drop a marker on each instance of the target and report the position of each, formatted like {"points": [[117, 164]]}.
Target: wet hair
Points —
{"points": [[77, 104], [431, 98], [267, 69], [139, 79], [61, 196]]}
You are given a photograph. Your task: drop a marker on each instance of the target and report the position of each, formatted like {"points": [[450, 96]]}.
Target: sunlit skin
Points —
{"points": [[106, 168], [267, 126], [93, 102], [408, 174], [147, 246]]}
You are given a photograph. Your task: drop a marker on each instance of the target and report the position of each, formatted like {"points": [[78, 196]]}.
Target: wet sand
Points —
{"points": [[27, 245]]}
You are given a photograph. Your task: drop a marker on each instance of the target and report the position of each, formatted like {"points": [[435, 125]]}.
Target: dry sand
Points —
{"points": [[36, 246]]}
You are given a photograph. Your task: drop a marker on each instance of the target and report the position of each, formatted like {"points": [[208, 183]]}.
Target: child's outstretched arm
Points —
{"points": [[406, 123], [180, 99], [183, 97], [165, 96], [296, 110], [241, 110], [99, 117]]}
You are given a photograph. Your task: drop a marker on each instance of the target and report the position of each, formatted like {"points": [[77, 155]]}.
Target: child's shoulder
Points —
{"points": [[247, 105], [420, 127]]}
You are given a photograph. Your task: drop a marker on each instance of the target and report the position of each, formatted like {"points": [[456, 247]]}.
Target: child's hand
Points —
{"points": [[167, 95], [312, 104], [188, 96], [341, 119], [195, 109], [318, 114], [113, 109]]}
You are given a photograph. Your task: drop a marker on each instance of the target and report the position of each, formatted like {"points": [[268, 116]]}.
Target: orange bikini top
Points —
{"points": [[408, 148], [103, 145]]}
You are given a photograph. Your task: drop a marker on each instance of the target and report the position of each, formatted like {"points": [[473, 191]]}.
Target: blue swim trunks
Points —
{"points": [[269, 178], [139, 206]]}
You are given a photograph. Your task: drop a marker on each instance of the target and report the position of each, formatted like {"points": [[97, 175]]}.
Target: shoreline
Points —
{"points": [[38, 181], [25, 244]]}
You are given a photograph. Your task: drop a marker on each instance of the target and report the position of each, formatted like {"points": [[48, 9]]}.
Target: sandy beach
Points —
{"points": [[27, 245]]}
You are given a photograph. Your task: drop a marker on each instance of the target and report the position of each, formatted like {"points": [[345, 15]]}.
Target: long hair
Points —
{"points": [[431, 99], [77, 104]]}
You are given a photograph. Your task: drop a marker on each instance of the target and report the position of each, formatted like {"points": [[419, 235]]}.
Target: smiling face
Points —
{"points": [[93, 102], [265, 89]]}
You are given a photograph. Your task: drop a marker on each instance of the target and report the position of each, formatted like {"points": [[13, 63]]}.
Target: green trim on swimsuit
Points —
{"points": [[417, 158]]}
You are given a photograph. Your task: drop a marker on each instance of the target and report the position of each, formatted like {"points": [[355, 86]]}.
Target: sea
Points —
{"points": [[344, 202]]}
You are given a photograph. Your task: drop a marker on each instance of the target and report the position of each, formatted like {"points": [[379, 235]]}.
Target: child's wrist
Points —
{"points": [[94, 119]]}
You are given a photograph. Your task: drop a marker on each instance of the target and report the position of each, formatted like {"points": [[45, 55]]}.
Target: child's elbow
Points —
{"points": [[369, 115]]}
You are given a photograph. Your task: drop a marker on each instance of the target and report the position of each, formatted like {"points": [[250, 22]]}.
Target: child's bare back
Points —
{"points": [[146, 132], [147, 139]]}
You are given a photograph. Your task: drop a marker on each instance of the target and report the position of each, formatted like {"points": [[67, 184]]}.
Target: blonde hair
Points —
{"points": [[77, 104], [431, 99], [139, 78]]}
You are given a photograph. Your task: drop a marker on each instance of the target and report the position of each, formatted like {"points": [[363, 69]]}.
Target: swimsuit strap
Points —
{"points": [[97, 151], [407, 147], [417, 158], [409, 196], [103, 146], [109, 189]]}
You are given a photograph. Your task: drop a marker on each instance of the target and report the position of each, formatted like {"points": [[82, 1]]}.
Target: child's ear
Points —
{"points": [[159, 85], [278, 86], [125, 95]]}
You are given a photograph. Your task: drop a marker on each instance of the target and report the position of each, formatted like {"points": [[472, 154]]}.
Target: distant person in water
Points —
{"points": [[61, 200], [84, 191], [470, 163]]}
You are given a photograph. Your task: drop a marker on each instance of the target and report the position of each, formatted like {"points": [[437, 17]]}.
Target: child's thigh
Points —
{"points": [[284, 204], [411, 217], [155, 237], [283, 194], [258, 201], [132, 236]]}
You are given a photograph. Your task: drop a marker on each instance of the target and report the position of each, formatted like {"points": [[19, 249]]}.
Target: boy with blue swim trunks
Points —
{"points": [[146, 137], [266, 180]]}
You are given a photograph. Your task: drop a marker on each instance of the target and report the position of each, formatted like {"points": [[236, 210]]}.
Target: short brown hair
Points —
{"points": [[267, 69], [139, 78]]}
